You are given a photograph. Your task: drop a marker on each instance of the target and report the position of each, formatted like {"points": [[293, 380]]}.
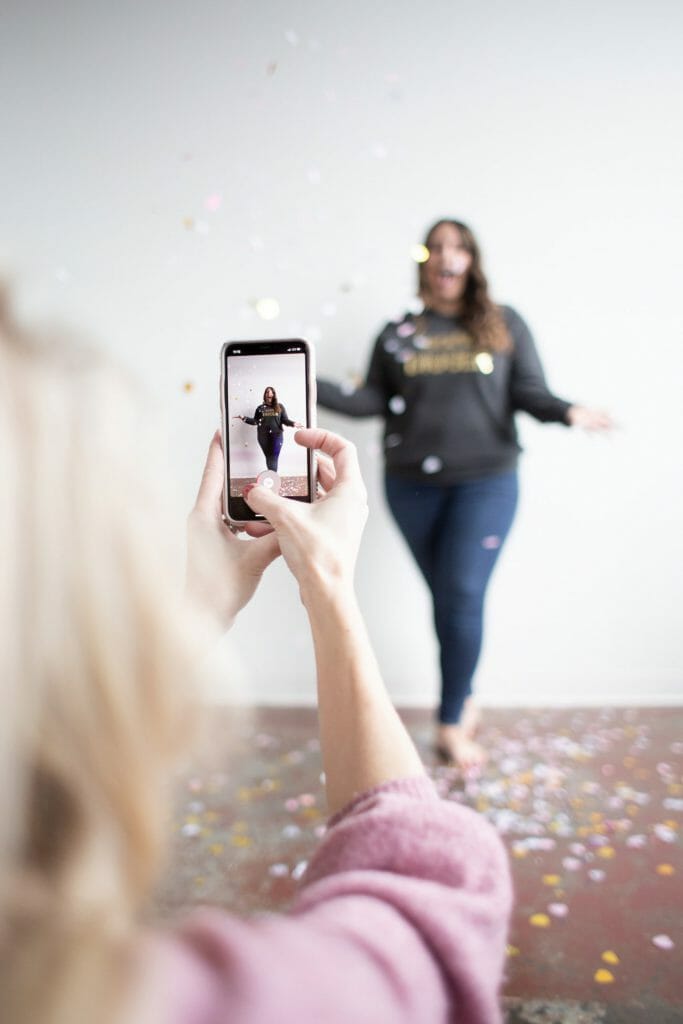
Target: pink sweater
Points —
{"points": [[401, 918]]}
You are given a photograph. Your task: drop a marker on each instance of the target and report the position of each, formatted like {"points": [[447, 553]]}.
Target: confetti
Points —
{"points": [[432, 464], [665, 870], [511, 951], [191, 829], [391, 345], [610, 957], [603, 976], [539, 921], [551, 880], [397, 404], [268, 309], [299, 869], [278, 870], [392, 440], [484, 362], [213, 202], [596, 875], [419, 253], [558, 909], [490, 543], [665, 833], [405, 329], [663, 942]]}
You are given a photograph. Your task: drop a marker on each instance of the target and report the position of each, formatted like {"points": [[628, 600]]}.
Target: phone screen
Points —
{"points": [[266, 396]]}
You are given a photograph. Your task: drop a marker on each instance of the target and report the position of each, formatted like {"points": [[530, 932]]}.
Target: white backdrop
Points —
{"points": [[166, 166]]}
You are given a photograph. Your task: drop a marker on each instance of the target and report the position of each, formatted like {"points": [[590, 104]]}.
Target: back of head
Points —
{"points": [[94, 669]]}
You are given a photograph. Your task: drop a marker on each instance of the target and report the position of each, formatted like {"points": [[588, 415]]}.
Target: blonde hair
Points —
{"points": [[95, 665]]}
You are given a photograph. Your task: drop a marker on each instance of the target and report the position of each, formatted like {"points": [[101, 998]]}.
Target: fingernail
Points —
{"points": [[246, 489]]}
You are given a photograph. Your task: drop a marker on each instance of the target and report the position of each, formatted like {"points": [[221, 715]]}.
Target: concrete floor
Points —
{"points": [[589, 803]]}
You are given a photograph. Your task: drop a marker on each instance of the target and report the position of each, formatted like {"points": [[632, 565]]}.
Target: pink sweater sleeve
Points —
{"points": [[401, 918]]}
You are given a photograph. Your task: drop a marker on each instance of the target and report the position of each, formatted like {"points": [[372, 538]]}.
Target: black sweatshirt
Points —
{"points": [[448, 407], [268, 421]]}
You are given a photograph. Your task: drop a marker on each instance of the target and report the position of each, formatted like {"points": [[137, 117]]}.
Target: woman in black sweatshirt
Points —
{"points": [[269, 418], [448, 383]]}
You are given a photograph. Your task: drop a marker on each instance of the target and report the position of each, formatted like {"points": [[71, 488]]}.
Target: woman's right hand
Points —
{"points": [[320, 541]]}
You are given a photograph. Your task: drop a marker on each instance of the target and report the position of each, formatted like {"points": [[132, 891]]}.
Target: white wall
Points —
{"points": [[333, 135]]}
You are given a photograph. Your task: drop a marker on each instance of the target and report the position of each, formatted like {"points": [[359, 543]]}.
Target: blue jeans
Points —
{"points": [[456, 534], [270, 446]]}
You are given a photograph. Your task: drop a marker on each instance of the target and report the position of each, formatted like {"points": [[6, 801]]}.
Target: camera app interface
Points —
{"points": [[265, 402]]}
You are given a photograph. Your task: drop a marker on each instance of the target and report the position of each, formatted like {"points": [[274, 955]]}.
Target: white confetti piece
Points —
{"points": [[191, 829], [278, 870], [596, 875], [663, 942], [432, 464], [299, 869], [397, 404], [392, 440], [636, 842], [571, 863], [405, 329], [391, 345], [664, 833], [268, 309], [672, 803], [292, 37], [558, 909]]}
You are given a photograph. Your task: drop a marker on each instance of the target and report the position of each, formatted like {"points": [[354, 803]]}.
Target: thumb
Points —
{"points": [[263, 501]]}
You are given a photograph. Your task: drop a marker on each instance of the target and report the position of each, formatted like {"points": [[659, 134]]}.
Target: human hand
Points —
{"points": [[223, 571], [589, 419], [320, 541]]}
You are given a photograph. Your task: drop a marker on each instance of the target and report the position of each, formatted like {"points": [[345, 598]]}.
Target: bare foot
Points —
{"points": [[457, 747], [470, 720]]}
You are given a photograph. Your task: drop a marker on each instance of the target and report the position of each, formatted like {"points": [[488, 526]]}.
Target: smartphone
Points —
{"points": [[267, 391]]}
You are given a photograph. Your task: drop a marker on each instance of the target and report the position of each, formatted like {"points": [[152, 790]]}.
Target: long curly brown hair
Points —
{"points": [[480, 316], [274, 404]]}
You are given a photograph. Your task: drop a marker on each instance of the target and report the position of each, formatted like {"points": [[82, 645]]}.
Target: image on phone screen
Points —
{"points": [[266, 397]]}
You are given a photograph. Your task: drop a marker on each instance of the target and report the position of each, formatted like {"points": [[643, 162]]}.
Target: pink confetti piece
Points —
{"points": [[596, 875], [490, 543], [291, 804], [663, 942], [558, 909], [307, 800], [636, 842], [213, 202], [405, 329], [571, 863]]}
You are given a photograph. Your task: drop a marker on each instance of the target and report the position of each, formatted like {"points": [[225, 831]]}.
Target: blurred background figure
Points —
{"points": [[448, 383]]}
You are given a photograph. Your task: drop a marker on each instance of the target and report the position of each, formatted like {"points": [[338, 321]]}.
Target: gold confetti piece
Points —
{"points": [[211, 817], [188, 386], [240, 841], [675, 789], [519, 853], [603, 976], [606, 852], [628, 762], [216, 849], [665, 869], [240, 826], [551, 879], [632, 810], [539, 920], [420, 253], [610, 957], [596, 816], [188, 223], [198, 881], [511, 951], [670, 823]]}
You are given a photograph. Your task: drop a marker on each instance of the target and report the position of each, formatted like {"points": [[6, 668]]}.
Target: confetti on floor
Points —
{"points": [[596, 854]]}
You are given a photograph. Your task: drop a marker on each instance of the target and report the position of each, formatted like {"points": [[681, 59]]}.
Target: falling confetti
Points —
{"points": [[406, 329], [292, 37], [419, 253], [610, 957], [539, 921], [484, 362], [432, 464], [268, 309], [188, 387], [490, 543], [391, 345], [213, 202], [392, 440], [397, 404], [663, 942], [665, 870], [278, 870], [558, 909]]}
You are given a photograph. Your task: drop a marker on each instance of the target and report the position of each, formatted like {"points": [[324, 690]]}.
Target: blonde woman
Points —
{"points": [[407, 897]]}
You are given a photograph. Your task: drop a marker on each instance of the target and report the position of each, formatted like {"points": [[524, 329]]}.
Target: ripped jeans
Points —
{"points": [[456, 534]]}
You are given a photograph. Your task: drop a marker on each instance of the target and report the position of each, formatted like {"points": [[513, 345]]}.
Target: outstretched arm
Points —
{"points": [[370, 399]]}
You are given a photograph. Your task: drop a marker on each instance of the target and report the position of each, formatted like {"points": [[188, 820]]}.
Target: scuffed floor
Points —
{"points": [[589, 803]]}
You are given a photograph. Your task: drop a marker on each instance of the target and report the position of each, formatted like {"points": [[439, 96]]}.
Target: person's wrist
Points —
{"points": [[321, 589]]}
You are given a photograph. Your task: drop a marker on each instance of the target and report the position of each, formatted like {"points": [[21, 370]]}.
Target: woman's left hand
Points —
{"points": [[589, 419], [223, 571]]}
